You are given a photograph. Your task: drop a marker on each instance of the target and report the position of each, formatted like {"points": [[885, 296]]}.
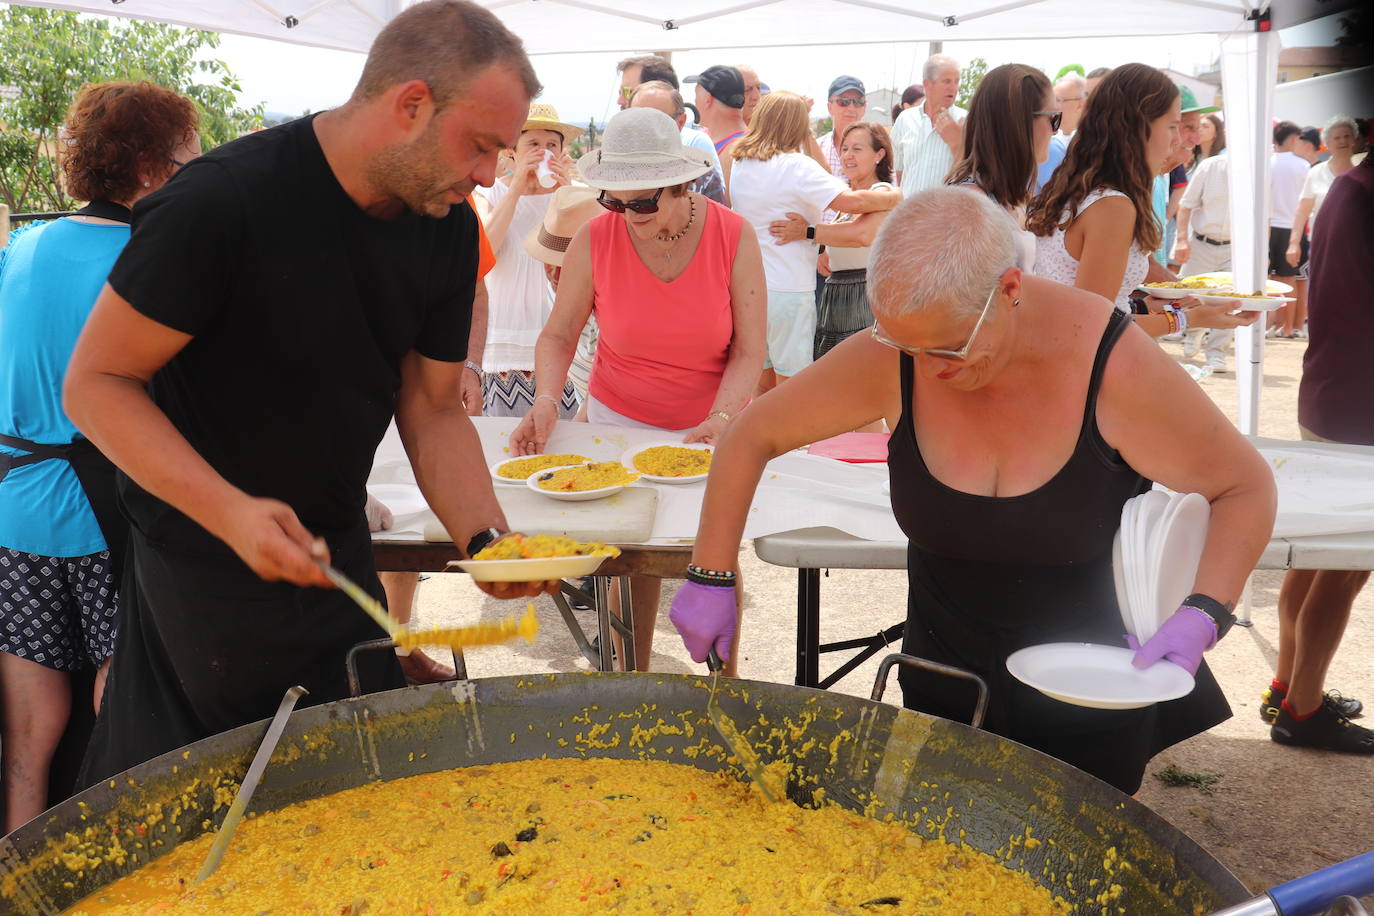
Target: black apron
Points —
{"points": [[94, 471]]}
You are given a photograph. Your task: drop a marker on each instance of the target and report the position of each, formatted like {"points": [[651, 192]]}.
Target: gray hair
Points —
{"points": [[910, 270], [674, 96], [1339, 120], [1073, 79], [935, 63]]}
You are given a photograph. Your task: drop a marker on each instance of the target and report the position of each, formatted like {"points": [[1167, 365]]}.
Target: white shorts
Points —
{"points": [[791, 331]]}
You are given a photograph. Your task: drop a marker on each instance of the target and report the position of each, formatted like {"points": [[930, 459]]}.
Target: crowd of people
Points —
{"points": [[710, 257]]}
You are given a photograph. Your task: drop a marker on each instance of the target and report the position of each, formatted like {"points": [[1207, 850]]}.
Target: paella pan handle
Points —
{"points": [[1312, 894], [980, 708], [355, 686]]}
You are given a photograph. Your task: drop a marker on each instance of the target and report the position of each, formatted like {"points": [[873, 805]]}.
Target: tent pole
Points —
{"points": [[1249, 65]]}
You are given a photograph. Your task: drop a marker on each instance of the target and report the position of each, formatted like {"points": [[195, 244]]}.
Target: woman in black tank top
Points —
{"points": [[1010, 546]]}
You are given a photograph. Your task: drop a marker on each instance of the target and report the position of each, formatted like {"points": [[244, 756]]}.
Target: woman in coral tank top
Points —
{"points": [[678, 290]]}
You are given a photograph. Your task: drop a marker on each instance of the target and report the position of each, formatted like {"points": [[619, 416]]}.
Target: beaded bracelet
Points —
{"points": [[1172, 318], [723, 577]]}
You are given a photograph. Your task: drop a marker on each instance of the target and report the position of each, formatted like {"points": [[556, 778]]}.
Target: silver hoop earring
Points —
{"points": [[1015, 303]]}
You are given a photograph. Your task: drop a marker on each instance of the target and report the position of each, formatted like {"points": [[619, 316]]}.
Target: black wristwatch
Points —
{"points": [[483, 539], [811, 233], [1221, 614]]}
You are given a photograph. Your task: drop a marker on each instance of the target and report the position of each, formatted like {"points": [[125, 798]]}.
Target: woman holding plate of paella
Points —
{"points": [[678, 289]]}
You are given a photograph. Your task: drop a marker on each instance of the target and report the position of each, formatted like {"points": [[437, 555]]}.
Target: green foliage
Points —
{"points": [[825, 126], [1069, 68], [969, 78], [48, 55]]}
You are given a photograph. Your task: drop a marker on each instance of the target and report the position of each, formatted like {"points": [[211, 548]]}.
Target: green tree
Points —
{"points": [[46, 56], [972, 75]]}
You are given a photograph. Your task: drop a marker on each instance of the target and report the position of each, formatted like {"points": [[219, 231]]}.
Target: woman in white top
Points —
{"points": [[519, 295], [1094, 221], [770, 178], [1339, 137], [1006, 136], [866, 156]]}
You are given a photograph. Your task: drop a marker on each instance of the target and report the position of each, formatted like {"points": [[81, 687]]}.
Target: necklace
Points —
{"points": [[691, 218]]}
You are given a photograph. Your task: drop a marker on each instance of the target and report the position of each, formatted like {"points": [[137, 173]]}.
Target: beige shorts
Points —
{"points": [[1309, 436]]}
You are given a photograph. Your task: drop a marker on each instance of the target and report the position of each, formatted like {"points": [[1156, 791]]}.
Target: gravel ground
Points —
{"points": [[1274, 813]]}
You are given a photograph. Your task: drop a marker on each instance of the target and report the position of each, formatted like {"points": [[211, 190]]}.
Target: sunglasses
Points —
{"points": [[639, 205], [850, 103], [958, 355], [1056, 118]]}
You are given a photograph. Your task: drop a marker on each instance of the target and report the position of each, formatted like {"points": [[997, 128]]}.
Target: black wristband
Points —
{"points": [[811, 233], [483, 539], [716, 578], [1221, 614]]}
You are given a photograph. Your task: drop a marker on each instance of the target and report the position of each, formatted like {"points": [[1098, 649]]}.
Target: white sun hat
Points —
{"points": [[641, 149]]}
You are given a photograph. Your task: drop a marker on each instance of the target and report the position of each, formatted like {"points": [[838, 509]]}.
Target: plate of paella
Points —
{"points": [[670, 462], [515, 471], [580, 482]]}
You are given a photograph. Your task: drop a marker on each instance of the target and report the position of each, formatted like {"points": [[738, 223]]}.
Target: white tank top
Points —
{"points": [[1053, 261]]}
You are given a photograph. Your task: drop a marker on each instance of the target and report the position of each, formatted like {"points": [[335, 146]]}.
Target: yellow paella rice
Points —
{"points": [[673, 461], [591, 476], [525, 547], [572, 837], [522, 468], [1187, 283]]}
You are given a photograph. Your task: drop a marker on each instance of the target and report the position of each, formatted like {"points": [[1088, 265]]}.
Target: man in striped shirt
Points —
{"points": [[926, 139]]}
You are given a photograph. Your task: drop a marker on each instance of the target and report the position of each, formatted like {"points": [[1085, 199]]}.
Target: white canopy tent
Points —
{"points": [[1248, 41]]}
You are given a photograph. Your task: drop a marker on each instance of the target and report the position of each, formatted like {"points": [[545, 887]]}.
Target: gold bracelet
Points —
{"points": [[722, 414]]}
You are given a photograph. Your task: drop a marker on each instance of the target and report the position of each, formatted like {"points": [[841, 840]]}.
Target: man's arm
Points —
{"points": [[106, 396], [446, 455]]}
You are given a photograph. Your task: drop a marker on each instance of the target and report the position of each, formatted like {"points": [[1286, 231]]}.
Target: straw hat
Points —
{"points": [[545, 117], [572, 205], [642, 149]]}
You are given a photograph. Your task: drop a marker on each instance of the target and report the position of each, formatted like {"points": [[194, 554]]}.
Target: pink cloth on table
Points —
{"points": [[663, 346], [856, 448]]}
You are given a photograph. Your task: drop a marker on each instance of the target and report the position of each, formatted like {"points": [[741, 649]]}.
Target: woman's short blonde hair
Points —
{"points": [[780, 125]]}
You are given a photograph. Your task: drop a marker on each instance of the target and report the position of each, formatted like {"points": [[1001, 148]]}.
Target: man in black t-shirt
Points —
{"points": [[277, 304]]}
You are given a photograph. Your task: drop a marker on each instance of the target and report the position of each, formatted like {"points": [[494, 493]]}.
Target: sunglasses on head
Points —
{"points": [[850, 103], [1056, 118], [641, 205]]}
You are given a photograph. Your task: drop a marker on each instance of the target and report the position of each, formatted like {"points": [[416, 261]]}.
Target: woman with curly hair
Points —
{"points": [[60, 534], [1094, 222]]}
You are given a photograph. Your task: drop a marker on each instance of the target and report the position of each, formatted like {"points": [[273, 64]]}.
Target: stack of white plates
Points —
{"points": [[1154, 559], [1155, 556]]}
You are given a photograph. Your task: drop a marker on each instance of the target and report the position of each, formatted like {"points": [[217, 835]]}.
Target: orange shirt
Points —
{"points": [[486, 258]]}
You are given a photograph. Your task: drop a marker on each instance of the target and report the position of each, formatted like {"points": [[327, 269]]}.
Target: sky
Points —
{"points": [[584, 85]]}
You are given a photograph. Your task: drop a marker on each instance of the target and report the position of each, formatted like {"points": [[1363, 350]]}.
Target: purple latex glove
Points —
{"points": [[706, 617], [1181, 639]]}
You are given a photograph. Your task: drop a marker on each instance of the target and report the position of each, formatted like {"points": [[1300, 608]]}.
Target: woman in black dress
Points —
{"points": [[1029, 413]]}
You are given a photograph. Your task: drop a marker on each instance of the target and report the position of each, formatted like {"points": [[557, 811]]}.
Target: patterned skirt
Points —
{"points": [[511, 394], [843, 309]]}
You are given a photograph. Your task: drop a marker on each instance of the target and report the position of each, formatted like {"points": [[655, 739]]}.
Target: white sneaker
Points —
{"points": [[1192, 343], [1300, 334], [1216, 363], [1272, 332]]}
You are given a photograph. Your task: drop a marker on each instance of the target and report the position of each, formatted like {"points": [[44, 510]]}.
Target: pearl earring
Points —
{"points": [[1015, 303], [147, 184]]}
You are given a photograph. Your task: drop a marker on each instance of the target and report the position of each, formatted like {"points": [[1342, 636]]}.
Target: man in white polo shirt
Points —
{"points": [[1287, 172], [927, 138], [1203, 244]]}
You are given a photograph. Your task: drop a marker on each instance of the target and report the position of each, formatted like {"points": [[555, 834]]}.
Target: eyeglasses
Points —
{"points": [[627, 91], [958, 355], [639, 205], [1072, 98], [1056, 117], [850, 102]]}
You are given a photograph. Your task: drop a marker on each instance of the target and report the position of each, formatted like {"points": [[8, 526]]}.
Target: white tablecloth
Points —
{"points": [[1323, 488]]}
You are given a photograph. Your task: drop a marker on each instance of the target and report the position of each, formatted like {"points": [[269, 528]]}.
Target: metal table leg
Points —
{"points": [[602, 604], [808, 627], [626, 624]]}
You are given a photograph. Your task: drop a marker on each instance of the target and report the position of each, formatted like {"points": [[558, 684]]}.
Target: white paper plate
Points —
{"points": [[1154, 506], [1182, 537], [571, 496], [510, 482], [1251, 304], [1101, 677], [540, 569], [1166, 292], [1228, 278], [1123, 600], [1130, 563], [628, 459]]}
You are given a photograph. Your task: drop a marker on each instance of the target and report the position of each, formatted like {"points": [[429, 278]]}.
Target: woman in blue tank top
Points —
{"points": [[58, 523]]}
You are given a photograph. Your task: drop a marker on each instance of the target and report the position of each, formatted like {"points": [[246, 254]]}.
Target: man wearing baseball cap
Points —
{"points": [[720, 99], [847, 102]]}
